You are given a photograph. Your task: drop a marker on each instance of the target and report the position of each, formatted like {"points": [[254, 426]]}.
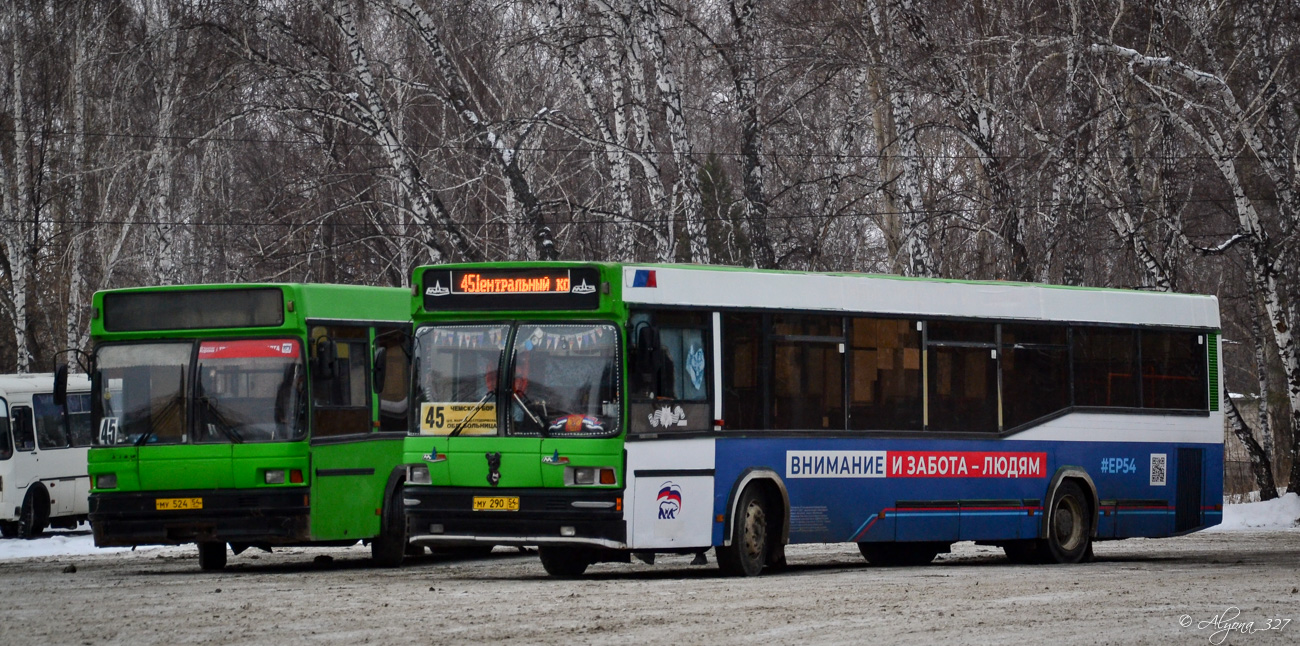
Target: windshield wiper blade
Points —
{"points": [[472, 414], [528, 410]]}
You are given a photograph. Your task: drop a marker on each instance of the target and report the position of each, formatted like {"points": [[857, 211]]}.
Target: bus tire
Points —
{"points": [[899, 554], [212, 555], [34, 513], [1069, 534], [564, 562], [750, 537], [388, 549]]}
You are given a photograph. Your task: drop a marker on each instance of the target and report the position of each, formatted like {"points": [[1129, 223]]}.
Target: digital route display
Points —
{"points": [[576, 288]]}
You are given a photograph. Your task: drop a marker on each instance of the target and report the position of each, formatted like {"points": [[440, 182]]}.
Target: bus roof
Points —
{"points": [[39, 382], [680, 285]]}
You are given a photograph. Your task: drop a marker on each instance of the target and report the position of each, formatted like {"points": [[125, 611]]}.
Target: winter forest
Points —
{"points": [[1151, 145]]}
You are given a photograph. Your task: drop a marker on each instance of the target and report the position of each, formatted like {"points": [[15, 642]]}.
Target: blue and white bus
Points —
{"points": [[759, 409]]}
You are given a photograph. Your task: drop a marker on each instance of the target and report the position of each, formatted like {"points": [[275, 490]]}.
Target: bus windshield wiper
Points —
{"points": [[472, 414], [528, 410], [176, 402], [218, 420]]}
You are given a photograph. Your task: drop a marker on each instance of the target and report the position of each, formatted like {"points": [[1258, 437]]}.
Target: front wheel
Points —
{"points": [[212, 555], [32, 517], [747, 553], [564, 562], [388, 549], [1069, 532]]}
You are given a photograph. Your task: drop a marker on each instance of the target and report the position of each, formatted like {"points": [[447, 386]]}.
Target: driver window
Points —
{"points": [[340, 361]]}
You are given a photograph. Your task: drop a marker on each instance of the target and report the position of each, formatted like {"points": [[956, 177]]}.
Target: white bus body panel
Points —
{"points": [[670, 494]]}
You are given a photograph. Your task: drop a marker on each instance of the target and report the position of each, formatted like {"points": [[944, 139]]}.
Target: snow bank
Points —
{"points": [[1279, 513], [74, 543]]}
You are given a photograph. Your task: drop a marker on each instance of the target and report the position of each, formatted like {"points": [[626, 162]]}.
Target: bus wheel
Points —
{"points": [[896, 554], [389, 547], [212, 555], [749, 537], [564, 562], [1069, 534], [35, 511]]}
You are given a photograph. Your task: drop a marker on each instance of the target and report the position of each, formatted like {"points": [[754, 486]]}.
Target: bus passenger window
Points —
{"points": [[393, 397], [1173, 370], [742, 387], [50, 430], [884, 366], [340, 387], [1035, 373], [962, 371], [807, 372], [1105, 367]]}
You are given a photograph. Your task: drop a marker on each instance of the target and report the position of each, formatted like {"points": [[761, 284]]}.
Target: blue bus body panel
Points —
{"points": [[845, 490]]}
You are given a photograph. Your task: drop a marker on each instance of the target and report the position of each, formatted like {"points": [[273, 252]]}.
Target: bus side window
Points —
{"points": [[6, 440], [340, 380], [51, 433], [80, 433], [24, 429], [393, 397]]}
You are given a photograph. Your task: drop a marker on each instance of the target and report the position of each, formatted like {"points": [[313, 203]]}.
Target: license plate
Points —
{"points": [[173, 504], [483, 503]]}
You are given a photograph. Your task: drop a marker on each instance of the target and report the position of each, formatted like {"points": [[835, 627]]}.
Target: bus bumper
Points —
{"points": [[235, 516], [445, 515]]}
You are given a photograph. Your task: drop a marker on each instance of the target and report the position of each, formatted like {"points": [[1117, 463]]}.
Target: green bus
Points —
{"points": [[603, 411], [249, 415]]}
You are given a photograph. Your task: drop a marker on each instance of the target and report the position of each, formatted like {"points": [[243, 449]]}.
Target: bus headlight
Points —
{"points": [[587, 476], [418, 474], [274, 476], [106, 481]]}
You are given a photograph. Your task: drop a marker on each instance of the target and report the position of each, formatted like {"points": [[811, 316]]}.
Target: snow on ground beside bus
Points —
{"points": [[55, 543], [1279, 513]]}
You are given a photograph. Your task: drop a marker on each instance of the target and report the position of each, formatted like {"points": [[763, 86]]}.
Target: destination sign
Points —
{"points": [[576, 288]]}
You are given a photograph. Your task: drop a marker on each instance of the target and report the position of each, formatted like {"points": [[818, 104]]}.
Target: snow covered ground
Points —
{"points": [[1279, 513], [60, 543]]}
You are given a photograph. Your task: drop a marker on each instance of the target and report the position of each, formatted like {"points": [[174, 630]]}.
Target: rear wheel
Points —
{"points": [[1069, 532], [897, 554], [389, 547], [564, 562], [750, 539], [212, 555]]}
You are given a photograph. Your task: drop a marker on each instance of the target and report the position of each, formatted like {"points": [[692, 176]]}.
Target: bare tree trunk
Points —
{"points": [[19, 222], [1259, 462], [744, 78]]}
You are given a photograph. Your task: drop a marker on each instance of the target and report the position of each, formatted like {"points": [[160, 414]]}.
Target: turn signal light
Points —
{"points": [[607, 477], [295, 476]]}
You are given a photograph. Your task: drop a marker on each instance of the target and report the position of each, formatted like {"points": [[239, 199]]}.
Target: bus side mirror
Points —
{"points": [[61, 386], [379, 369], [326, 357], [647, 346]]}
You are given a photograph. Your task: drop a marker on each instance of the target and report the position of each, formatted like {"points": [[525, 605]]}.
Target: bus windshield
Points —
{"points": [[246, 391], [6, 442], [142, 391], [565, 380], [456, 380], [250, 391]]}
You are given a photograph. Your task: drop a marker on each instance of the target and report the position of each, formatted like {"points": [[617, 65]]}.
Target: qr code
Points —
{"points": [[1158, 463]]}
